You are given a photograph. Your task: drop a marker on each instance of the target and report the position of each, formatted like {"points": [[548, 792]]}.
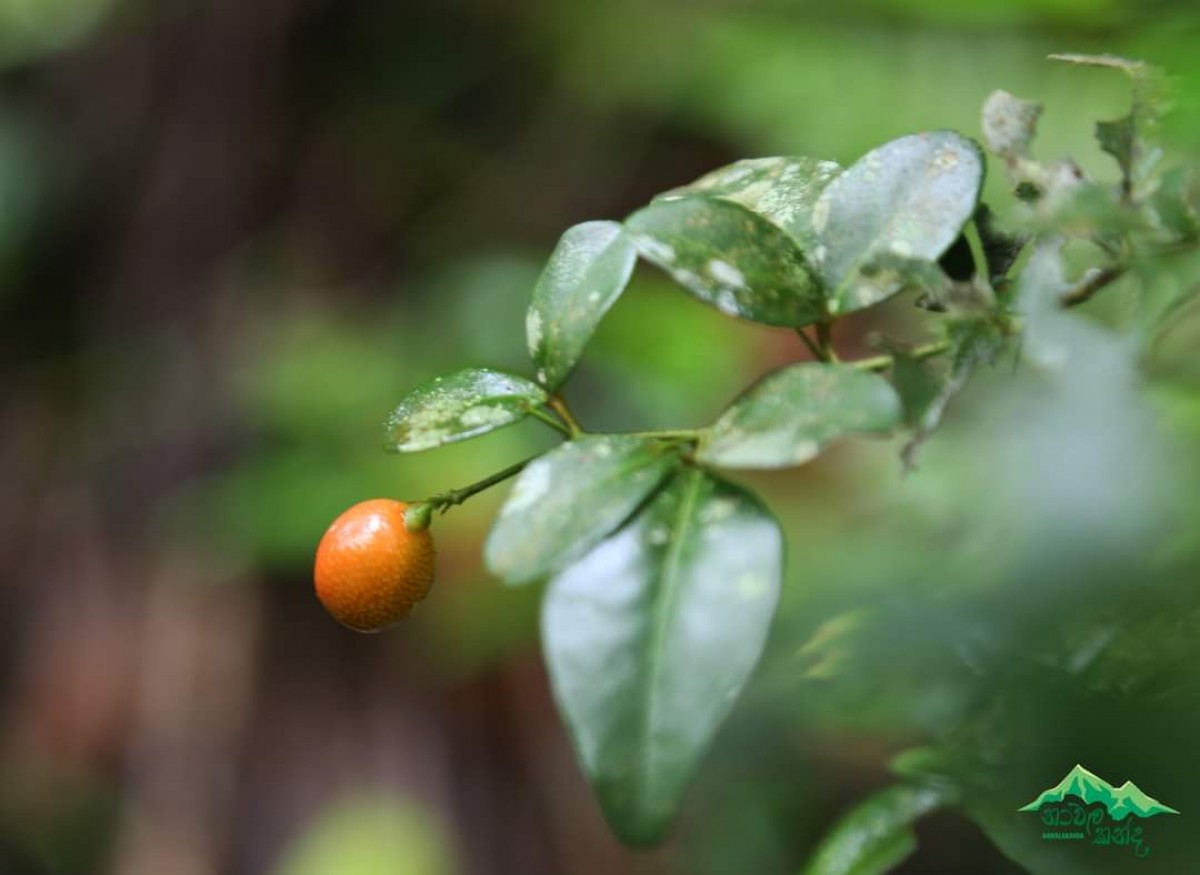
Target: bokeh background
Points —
{"points": [[233, 234]]}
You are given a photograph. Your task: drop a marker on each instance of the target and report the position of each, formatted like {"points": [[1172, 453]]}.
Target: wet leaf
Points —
{"points": [[729, 257], [571, 498], [782, 189], [587, 272], [459, 406], [792, 413], [876, 835], [910, 198], [651, 636]]}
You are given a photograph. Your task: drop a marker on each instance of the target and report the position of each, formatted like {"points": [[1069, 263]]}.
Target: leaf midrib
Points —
{"points": [[669, 592]]}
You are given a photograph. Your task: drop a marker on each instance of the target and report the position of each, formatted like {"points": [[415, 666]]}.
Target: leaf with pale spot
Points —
{"points": [[585, 275], [730, 257], [459, 406], [571, 498], [1009, 124], [782, 189], [792, 413], [910, 197], [651, 636]]}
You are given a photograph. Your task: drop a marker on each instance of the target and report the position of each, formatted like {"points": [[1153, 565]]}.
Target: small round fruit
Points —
{"points": [[371, 570]]}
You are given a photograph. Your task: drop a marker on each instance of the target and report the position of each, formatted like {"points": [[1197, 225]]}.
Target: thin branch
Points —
{"points": [[675, 434], [559, 405], [1093, 281], [551, 421], [811, 344], [445, 500], [920, 353], [825, 340]]}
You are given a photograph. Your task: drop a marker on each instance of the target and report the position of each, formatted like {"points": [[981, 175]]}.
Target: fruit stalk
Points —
{"points": [[445, 500]]}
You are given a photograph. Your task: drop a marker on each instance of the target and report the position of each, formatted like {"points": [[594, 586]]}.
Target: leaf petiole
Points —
{"points": [[812, 346], [559, 405], [883, 362], [553, 422], [825, 350]]}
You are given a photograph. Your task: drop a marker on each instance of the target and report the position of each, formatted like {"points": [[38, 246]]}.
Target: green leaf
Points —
{"points": [[571, 498], [1117, 138], [587, 272], [1176, 202], [910, 197], [788, 416], [1131, 139], [876, 835], [782, 189], [914, 273], [651, 636], [920, 387], [729, 257], [459, 406], [928, 765], [926, 388]]}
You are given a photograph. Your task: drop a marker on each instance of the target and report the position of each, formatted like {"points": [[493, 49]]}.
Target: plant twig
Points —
{"points": [[1093, 281], [551, 421], [443, 501], [920, 353], [559, 405], [812, 347], [674, 434], [826, 352]]}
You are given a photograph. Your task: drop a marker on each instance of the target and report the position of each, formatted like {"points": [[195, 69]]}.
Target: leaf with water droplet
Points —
{"points": [[910, 198], [585, 275], [730, 257], [792, 413], [459, 406], [571, 498], [650, 637], [782, 189]]}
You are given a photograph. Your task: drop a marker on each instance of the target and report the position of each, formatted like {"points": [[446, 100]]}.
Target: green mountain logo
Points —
{"points": [[1120, 801]]}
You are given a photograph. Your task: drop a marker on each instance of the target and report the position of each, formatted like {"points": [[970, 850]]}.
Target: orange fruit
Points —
{"points": [[371, 570]]}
